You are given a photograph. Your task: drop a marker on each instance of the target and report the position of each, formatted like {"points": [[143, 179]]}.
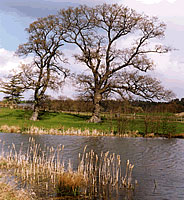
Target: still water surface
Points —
{"points": [[159, 163]]}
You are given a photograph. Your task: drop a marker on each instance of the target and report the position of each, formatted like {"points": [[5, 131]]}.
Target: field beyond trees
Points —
{"points": [[144, 124]]}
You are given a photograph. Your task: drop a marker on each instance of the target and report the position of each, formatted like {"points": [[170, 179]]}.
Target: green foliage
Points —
{"points": [[153, 123], [122, 125], [49, 120], [12, 88]]}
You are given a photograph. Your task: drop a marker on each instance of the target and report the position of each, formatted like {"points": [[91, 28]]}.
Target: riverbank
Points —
{"points": [[71, 131], [78, 132], [55, 123]]}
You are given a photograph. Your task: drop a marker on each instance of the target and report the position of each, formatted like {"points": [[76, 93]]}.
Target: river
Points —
{"points": [[159, 163]]}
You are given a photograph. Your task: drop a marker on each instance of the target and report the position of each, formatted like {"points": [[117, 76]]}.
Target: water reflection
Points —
{"points": [[159, 163]]}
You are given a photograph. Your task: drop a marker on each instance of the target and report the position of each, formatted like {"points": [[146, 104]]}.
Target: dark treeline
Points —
{"points": [[114, 106], [174, 106]]}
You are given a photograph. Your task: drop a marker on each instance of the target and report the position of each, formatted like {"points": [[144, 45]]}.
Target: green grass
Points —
{"points": [[17, 117], [50, 120]]}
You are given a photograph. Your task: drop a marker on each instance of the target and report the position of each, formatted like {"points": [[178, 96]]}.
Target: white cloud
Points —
{"points": [[149, 1], [8, 61], [164, 9], [170, 69], [72, 63], [155, 1], [170, 72]]}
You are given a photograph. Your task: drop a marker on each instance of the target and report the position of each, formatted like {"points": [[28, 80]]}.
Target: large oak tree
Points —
{"points": [[45, 71], [101, 34]]}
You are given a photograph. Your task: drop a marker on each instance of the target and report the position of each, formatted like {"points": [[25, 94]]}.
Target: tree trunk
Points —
{"points": [[96, 110], [34, 116]]}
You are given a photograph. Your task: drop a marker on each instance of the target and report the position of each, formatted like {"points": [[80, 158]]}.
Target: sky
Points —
{"points": [[16, 15]]}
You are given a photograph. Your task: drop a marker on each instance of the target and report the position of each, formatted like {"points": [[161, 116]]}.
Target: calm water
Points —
{"points": [[158, 162]]}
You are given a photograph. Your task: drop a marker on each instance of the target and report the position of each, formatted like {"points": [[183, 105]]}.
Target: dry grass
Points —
{"points": [[103, 173], [70, 184], [7, 192], [44, 172], [62, 131], [10, 129], [71, 131]]}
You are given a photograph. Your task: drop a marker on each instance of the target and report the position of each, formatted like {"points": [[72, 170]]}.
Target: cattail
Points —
{"points": [[98, 173]]}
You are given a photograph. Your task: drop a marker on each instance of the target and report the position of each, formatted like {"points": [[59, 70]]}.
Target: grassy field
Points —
{"points": [[143, 123], [49, 120]]}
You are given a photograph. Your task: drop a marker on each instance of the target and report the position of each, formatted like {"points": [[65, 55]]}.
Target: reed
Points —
{"points": [[103, 174], [70, 184], [61, 131], [45, 172], [10, 129]]}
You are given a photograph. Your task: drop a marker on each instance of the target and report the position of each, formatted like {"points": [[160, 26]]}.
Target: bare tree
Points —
{"points": [[44, 43], [101, 33]]}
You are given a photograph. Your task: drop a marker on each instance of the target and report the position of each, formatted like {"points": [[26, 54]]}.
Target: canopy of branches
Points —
{"points": [[114, 43]]}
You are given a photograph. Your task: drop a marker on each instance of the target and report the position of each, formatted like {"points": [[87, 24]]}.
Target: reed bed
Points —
{"points": [[10, 129], [62, 131], [103, 173], [46, 173]]}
